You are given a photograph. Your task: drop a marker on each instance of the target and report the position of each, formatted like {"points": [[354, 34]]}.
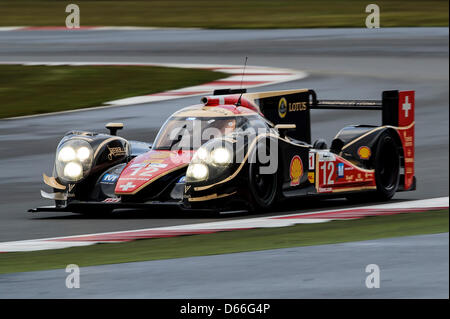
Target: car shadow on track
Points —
{"points": [[286, 207]]}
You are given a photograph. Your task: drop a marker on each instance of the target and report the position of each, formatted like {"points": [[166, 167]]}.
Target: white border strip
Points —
{"points": [[248, 223]]}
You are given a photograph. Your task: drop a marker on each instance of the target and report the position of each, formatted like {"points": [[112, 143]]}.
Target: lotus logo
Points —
{"points": [[282, 107]]}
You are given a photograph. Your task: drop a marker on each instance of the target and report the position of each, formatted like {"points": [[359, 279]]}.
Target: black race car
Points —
{"points": [[238, 151]]}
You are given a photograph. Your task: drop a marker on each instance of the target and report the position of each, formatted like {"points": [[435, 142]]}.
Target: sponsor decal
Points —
{"points": [[158, 165], [143, 171], [115, 152], [311, 161], [282, 107], [127, 186], [297, 106], [148, 161], [368, 175], [187, 188], [328, 173], [159, 155], [112, 200], [138, 165], [364, 152], [340, 167], [71, 186], [109, 179], [296, 170], [326, 156], [311, 177]]}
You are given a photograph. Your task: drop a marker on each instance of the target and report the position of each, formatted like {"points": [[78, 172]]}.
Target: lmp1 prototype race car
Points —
{"points": [[238, 151]]}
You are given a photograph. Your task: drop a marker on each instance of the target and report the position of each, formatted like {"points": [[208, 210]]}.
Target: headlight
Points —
{"points": [[83, 153], [202, 154], [197, 171], [73, 170], [218, 156], [221, 156], [66, 154], [74, 159], [210, 161]]}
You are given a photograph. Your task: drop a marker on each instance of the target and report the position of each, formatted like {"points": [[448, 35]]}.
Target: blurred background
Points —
{"points": [[238, 14]]}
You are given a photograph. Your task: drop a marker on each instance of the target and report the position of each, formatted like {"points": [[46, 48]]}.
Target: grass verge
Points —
{"points": [[230, 242], [26, 90], [226, 14]]}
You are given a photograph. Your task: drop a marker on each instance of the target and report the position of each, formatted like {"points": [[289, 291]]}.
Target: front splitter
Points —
{"points": [[78, 206]]}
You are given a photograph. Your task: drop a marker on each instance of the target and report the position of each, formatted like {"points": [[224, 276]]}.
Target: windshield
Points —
{"points": [[189, 133]]}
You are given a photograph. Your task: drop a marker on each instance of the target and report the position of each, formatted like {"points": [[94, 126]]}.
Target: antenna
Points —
{"points": [[242, 80]]}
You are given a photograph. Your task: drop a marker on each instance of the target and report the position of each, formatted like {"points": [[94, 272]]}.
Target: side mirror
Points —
{"points": [[114, 127]]}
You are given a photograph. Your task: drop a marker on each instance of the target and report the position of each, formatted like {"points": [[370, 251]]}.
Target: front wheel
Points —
{"points": [[263, 187]]}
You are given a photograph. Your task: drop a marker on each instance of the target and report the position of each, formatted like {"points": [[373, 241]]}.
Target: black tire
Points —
{"points": [[387, 167], [387, 171], [263, 187]]}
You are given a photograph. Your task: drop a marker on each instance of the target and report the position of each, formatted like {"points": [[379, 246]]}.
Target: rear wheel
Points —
{"points": [[387, 167], [387, 171]]}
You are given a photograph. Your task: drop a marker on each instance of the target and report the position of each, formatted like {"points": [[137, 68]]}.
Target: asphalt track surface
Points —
{"points": [[342, 63], [409, 267]]}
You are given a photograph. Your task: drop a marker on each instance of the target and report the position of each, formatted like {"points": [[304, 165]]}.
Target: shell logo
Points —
{"points": [[296, 170], [364, 152]]}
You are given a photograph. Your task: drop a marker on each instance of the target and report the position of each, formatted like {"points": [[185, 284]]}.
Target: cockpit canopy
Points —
{"points": [[190, 130]]}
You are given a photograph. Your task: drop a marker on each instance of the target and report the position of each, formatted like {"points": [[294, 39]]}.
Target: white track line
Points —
{"points": [[248, 223], [255, 76], [11, 28]]}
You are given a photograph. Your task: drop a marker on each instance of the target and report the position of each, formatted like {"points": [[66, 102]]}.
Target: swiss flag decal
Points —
{"points": [[406, 108], [406, 130]]}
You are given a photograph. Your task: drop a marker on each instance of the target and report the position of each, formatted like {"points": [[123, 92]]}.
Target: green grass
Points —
{"points": [[230, 242], [226, 14], [26, 90]]}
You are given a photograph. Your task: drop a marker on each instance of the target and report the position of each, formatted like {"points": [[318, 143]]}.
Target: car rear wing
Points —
{"points": [[293, 107], [397, 106]]}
